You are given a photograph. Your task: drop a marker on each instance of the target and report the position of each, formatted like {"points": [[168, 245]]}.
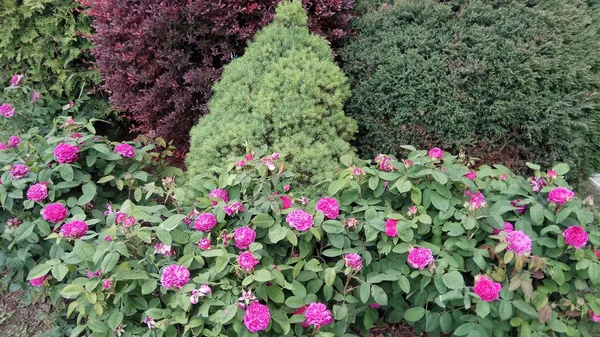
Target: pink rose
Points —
{"points": [[257, 317], [35, 96], [436, 153], [420, 257], [204, 244], [240, 164], [7, 110], [329, 206], [300, 220], [19, 171], [15, 80], [14, 141], [551, 174], [175, 276], [595, 317], [560, 195], [353, 261], [508, 227], [125, 150], [518, 242], [218, 194], [472, 175], [38, 281], [247, 261], [287, 201], [244, 237], [318, 315], [107, 284], [476, 200], [74, 229], [486, 288], [390, 228], [205, 222], [55, 212], [66, 153], [235, 208], [503, 177], [575, 236]]}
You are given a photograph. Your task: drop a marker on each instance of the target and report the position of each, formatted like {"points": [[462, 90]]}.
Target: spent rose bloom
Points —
{"points": [[350, 223], [268, 162], [205, 290], [286, 188], [518, 242], [551, 174], [329, 206], [595, 317], [35, 96], [7, 110], [257, 317], [204, 244], [486, 288], [560, 195], [575, 236], [375, 305], [55, 212], [166, 250], [125, 150], [244, 237], [107, 284], [19, 171], [175, 276], [537, 184], [13, 141], [472, 175], [353, 261], [508, 227], [390, 227], [94, 274], [301, 311], [412, 210], [38, 281], [150, 322], [15, 80], [436, 153], [287, 201], [408, 163], [597, 253], [234, 208], [217, 195], [476, 200], [420, 257], [300, 220], [247, 261], [517, 204], [205, 222], [318, 315], [74, 229], [66, 153]]}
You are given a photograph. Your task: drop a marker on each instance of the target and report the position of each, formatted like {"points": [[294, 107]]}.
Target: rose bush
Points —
{"points": [[410, 240]]}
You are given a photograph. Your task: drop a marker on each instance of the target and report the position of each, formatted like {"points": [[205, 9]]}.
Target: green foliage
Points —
{"points": [[46, 41], [285, 92], [508, 81]]}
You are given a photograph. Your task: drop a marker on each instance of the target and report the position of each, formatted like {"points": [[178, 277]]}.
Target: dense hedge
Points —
{"points": [[47, 42], [285, 92], [508, 81], [159, 59]]}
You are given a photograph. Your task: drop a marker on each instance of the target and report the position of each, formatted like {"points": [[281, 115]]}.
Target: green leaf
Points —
{"points": [[115, 319], [149, 286], [330, 276], [365, 292], [404, 284], [561, 169], [373, 182], [403, 185], [483, 309], [446, 322], [172, 222], [277, 233], [84, 251], [414, 314], [416, 196], [110, 261], [275, 294], [262, 275], [333, 227], [340, 312], [59, 271], [505, 310], [465, 328], [525, 308], [379, 295], [453, 280], [263, 220], [594, 272], [440, 177], [557, 325], [440, 202], [72, 291], [164, 236], [336, 186], [66, 172], [39, 271]]}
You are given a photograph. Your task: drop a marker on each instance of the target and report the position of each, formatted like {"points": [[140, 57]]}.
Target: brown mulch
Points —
{"points": [[20, 320], [397, 330]]}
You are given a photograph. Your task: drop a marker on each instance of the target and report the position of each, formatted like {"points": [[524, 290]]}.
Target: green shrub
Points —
{"points": [[285, 92], [548, 291], [508, 81], [46, 41]]}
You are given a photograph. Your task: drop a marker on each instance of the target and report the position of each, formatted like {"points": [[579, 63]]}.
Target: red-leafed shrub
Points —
{"points": [[160, 58]]}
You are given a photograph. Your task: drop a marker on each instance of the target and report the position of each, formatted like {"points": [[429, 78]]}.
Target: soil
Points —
{"points": [[20, 320], [396, 330]]}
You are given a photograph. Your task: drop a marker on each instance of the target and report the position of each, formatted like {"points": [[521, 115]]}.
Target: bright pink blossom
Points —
{"points": [[257, 317], [436, 153], [3, 147], [472, 175], [19, 171], [38, 281], [353, 261], [66, 153], [517, 204], [94, 274], [357, 171], [575, 236], [240, 164], [175, 276], [218, 194], [560, 195], [76, 135], [247, 261], [518, 242], [205, 222], [286, 188], [329, 206], [390, 228], [420, 257], [37, 192], [107, 284], [74, 229], [7, 110], [597, 253], [318, 315], [503, 177], [108, 238], [268, 162], [125, 150], [486, 288], [508, 227], [204, 244], [13, 141], [234, 208], [476, 200], [249, 156], [300, 220], [287, 201], [35, 96], [15, 80], [551, 174], [244, 237], [55, 212], [595, 317]]}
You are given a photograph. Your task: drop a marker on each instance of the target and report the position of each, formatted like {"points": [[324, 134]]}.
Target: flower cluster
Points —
{"points": [[384, 163]]}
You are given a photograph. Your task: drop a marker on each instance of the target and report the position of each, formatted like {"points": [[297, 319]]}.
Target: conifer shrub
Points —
{"points": [[506, 81], [47, 43], [160, 59], [285, 92]]}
